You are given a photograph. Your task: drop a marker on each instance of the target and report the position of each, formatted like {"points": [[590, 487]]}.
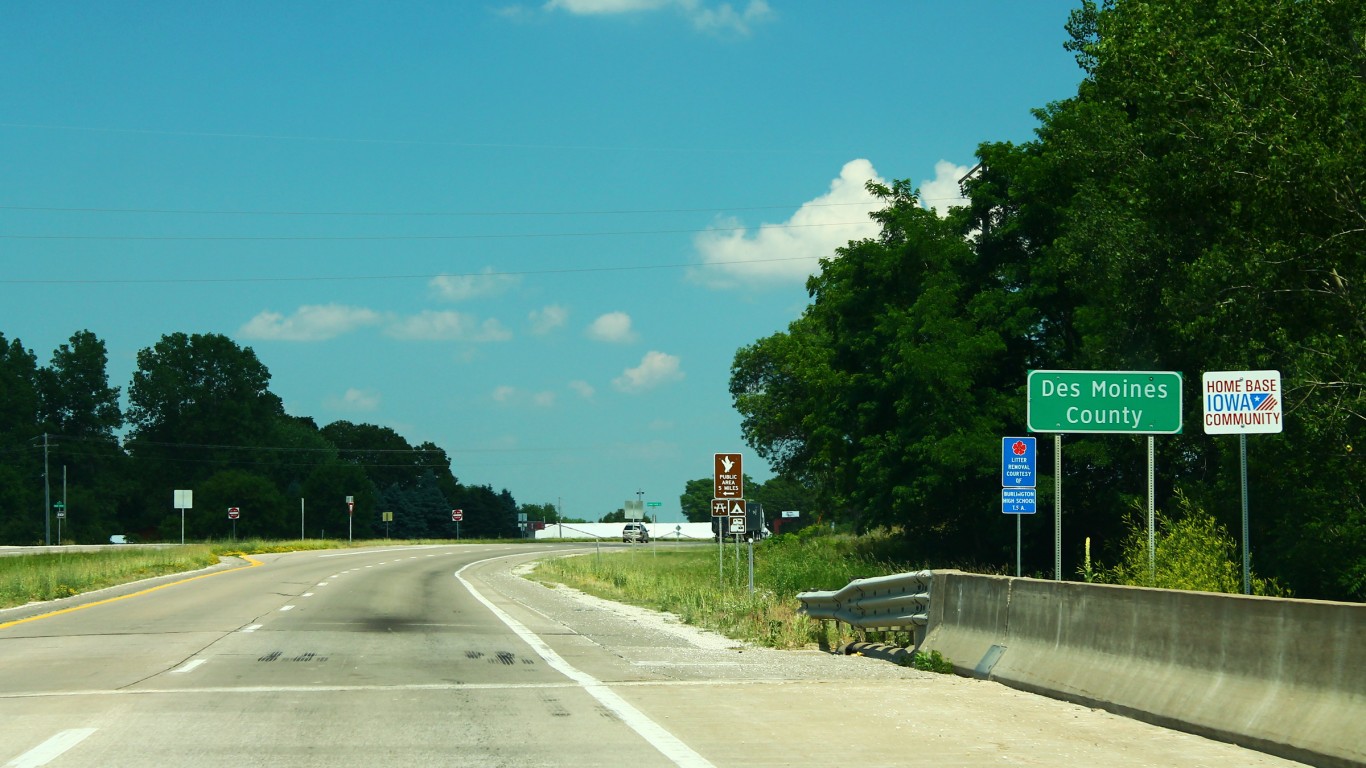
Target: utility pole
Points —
{"points": [[47, 499]]}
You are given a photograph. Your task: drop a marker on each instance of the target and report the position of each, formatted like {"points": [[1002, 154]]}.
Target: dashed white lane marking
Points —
{"points": [[306, 594], [187, 666], [322, 583], [286, 608], [668, 745], [252, 628], [51, 749]]}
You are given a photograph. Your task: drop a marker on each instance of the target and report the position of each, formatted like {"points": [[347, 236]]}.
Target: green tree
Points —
{"points": [[696, 500], [21, 466], [74, 392]]}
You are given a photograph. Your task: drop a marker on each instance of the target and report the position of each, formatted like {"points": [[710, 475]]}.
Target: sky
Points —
{"points": [[534, 234]]}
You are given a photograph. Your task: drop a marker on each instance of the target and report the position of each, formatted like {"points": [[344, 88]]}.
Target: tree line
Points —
{"points": [[1198, 205], [201, 417]]}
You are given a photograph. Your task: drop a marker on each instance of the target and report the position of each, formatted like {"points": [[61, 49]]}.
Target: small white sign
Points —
{"points": [[184, 499], [1241, 402], [791, 513]]}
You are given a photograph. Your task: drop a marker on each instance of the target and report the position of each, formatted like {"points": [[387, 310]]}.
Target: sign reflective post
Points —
{"points": [[1242, 403]]}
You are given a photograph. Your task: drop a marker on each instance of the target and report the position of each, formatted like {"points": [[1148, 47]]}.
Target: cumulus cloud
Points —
{"points": [[789, 252], [355, 400], [942, 193], [465, 287], [504, 393], [613, 327], [655, 368], [447, 326], [543, 399], [317, 322], [545, 320], [712, 18], [583, 388]]}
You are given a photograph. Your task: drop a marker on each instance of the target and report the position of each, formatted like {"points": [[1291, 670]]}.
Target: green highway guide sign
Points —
{"points": [[1115, 402]]}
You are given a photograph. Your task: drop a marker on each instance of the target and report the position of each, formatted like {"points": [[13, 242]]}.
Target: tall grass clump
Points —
{"points": [[690, 583], [37, 577]]}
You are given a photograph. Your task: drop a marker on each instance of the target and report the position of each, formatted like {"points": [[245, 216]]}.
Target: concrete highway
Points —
{"points": [[444, 656]]}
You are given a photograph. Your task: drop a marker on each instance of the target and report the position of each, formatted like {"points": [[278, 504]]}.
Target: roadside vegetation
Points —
{"points": [[32, 578], [690, 582]]}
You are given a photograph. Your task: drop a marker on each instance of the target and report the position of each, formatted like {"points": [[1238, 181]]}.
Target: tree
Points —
{"points": [[695, 500], [21, 467], [74, 392]]}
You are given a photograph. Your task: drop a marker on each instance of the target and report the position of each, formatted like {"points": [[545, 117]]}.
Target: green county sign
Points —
{"points": [[1125, 402]]}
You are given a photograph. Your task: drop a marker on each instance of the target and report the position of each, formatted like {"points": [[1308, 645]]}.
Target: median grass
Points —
{"points": [[690, 582], [48, 576]]}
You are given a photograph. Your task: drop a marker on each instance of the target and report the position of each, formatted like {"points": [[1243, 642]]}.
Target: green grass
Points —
{"points": [[31, 578], [689, 582]]}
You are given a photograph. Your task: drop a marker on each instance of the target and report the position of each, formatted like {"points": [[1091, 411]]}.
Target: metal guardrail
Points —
{"points": [[899, 601]]}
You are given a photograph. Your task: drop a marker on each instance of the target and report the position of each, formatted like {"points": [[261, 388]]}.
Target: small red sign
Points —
{"points": [[457, 515], [234, 513]]}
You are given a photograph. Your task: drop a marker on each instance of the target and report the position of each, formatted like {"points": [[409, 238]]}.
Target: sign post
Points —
{"points": [[233, 514], [183, 500], [1019, 473], [350, 515], [456, 516], [1101, 402], [1242, 403]]}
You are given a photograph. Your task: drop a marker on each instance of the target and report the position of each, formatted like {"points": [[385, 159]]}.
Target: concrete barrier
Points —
{"points": [[1282, 676]]}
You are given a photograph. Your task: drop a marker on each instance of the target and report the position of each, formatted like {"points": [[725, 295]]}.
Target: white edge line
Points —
{"points": [[669, 745], [51, 749]]}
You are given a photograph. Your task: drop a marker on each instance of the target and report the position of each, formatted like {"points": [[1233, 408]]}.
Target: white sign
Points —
{"points": [[791, 513], [184, 499], [1241, 402]]}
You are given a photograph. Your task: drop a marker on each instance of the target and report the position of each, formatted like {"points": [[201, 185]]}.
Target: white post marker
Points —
{"points": [[1242, 403]]}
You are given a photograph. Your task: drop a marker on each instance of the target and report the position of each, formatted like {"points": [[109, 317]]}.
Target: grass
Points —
{"points": [[689, 582], [31, 578]]}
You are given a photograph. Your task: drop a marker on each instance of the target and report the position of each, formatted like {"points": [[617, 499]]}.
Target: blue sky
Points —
{"points": [[534, 234]]}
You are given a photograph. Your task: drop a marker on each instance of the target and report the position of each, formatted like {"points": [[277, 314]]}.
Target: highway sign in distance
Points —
{"points": [[1114, 402], [234, 513], [729, 476], [457, 515]]}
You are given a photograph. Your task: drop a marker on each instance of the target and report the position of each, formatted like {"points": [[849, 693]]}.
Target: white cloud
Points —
{"points": [[464, 287], [355, 400], [584, 389], [504, 393], [308, 323], [545, 320], [789, 252], [942, 193], [447, 326], [613, 327], [706, 17], [655, 368], [543, 399]]}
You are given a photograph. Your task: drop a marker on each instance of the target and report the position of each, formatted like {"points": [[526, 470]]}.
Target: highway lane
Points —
{"points": [[419, 656], [347, 658]]}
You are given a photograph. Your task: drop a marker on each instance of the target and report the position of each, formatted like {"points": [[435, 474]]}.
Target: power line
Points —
{"points": [[423, 214], [385, 238], [425, 276]]}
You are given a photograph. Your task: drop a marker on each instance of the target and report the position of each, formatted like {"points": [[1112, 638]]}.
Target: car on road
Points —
{"points": [[635, 532]]}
